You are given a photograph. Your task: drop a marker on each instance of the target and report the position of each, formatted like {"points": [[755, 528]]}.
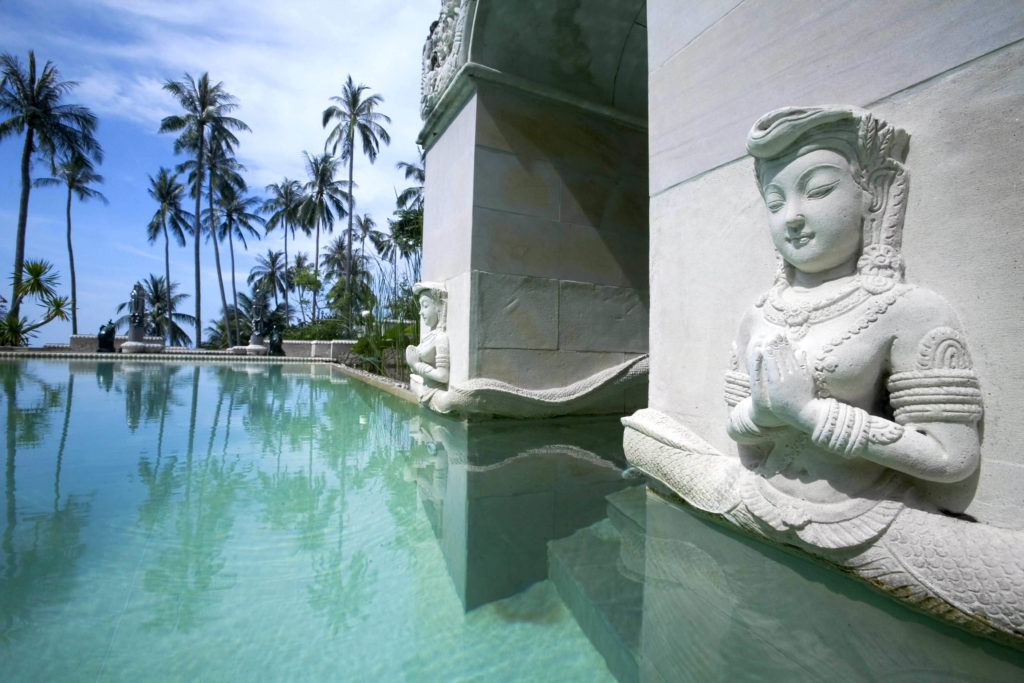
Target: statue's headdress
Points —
{"points": [[437, 291], [874, 148]]}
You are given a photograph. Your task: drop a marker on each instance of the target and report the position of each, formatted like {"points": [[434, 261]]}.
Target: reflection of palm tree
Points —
{"points": [[186, 571], [42, 571]]}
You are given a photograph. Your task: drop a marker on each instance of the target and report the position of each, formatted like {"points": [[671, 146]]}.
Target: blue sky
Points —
{"points": [[281, 60]]}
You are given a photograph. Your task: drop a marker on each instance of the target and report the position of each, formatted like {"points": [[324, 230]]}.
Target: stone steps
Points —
{"points": [[595, 571]]}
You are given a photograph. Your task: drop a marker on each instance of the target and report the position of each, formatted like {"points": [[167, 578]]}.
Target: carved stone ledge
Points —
{"points": [[968, 573], [491, 397]]}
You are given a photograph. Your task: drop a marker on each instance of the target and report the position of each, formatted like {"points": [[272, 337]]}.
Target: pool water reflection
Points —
{"points": [[251, 522]]}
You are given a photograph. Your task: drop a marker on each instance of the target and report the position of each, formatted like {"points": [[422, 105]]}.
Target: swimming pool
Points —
{"points": [[164, 521]]}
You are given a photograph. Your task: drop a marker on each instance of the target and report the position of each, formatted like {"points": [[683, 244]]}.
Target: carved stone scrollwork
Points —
{"points": [[443, 53]]}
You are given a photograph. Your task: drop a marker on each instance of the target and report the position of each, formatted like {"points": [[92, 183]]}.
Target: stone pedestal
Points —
{"points": [[535, 220]]}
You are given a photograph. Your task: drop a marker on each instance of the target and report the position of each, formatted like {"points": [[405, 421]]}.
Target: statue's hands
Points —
{"points": [[782, 388], [412, 356]]}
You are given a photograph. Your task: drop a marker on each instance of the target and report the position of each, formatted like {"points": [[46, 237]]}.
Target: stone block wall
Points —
{"points": [[536, 220], [951, 74]]}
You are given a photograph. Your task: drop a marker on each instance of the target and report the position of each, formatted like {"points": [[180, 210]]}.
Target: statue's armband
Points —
{"points": [[941, 387]]}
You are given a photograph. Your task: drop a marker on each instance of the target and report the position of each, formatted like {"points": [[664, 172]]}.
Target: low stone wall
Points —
{"points": [[88, 343], [335, 350]]}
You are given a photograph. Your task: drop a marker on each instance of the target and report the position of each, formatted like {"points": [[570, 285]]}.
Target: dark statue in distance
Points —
{"points": [[105, 338], [275, 342], [137, 314]]}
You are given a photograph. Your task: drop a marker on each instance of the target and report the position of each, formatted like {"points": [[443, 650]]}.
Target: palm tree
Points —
{"points": [[40, 281], [269, 274], [34, 104], [355, 115], [224, 177], [412, 196], [325, 198], [167, 192], [206, 111], [366, 227], [161, 318], [283, 206], [238, 220], [77, 173]]}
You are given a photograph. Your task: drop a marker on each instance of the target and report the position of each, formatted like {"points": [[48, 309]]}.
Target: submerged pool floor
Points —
{"points": [[237, 522]]}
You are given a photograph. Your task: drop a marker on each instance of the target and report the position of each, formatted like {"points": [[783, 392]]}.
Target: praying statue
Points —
{"points": [[428, 361], [851, 394]]}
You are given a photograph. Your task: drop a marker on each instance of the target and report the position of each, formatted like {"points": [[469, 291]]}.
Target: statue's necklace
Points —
{"points": [[798, 318]]}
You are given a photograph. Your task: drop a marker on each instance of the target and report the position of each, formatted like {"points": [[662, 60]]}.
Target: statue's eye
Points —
{"points": [[820, 191], [774, 202]]}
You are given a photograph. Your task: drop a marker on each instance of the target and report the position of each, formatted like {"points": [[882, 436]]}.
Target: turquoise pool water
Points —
{"points": [[237, 522]]}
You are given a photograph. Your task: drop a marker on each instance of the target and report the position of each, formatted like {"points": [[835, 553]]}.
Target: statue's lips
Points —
{"points": [[801, 239]]}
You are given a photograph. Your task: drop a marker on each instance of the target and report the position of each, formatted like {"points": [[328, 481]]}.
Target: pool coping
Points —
{"points": [[392, 387]]}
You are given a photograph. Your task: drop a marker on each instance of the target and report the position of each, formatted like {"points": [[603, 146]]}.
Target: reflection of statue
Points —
{"points": [[429, 360], [275, 342], [137, 314], [852, 394], [105, 338]]}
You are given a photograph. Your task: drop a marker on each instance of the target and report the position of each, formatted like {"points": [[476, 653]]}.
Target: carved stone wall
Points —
{"points": [[949, 75], [536, 220]]}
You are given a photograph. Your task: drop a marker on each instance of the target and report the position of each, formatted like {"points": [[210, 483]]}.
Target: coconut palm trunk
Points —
{"points": [[198, 230], [234, 291], [19, 244], [316, 268], [220, 273], [351, 213], [71, 264], [287, 227], [167, 279]]}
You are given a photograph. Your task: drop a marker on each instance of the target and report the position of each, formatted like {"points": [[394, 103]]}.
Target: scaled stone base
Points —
{"points": [[969, 573]]}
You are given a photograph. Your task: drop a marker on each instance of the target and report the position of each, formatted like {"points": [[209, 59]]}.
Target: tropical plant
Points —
{"points": [[33, 102], [237, 224], [206, 113], [269, 274], [351, 292], [283, 207], [355, 115], [162, 319], [217, 336], [168, 193], [412, 196], [325, 199], [77, 173], [39, 281]]}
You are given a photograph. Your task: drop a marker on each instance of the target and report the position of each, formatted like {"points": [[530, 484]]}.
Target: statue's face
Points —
{"points": [[815, 210], [429, 312]]}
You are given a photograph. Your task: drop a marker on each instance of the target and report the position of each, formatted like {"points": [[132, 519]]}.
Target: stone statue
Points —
{"points": [[259, 316], [275, 347], [137, 314], [105, 338], [429, 360], [852, 395]]}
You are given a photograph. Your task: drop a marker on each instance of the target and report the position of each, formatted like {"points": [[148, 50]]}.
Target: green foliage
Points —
{"points": [[323, 329], [39, 281]]}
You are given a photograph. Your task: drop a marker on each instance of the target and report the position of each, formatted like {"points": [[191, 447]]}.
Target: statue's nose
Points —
{"points": [[795, 221]]}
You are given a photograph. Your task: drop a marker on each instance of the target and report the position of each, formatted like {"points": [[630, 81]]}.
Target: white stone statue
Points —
{"points": [[852, 394], [428, 361]]}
